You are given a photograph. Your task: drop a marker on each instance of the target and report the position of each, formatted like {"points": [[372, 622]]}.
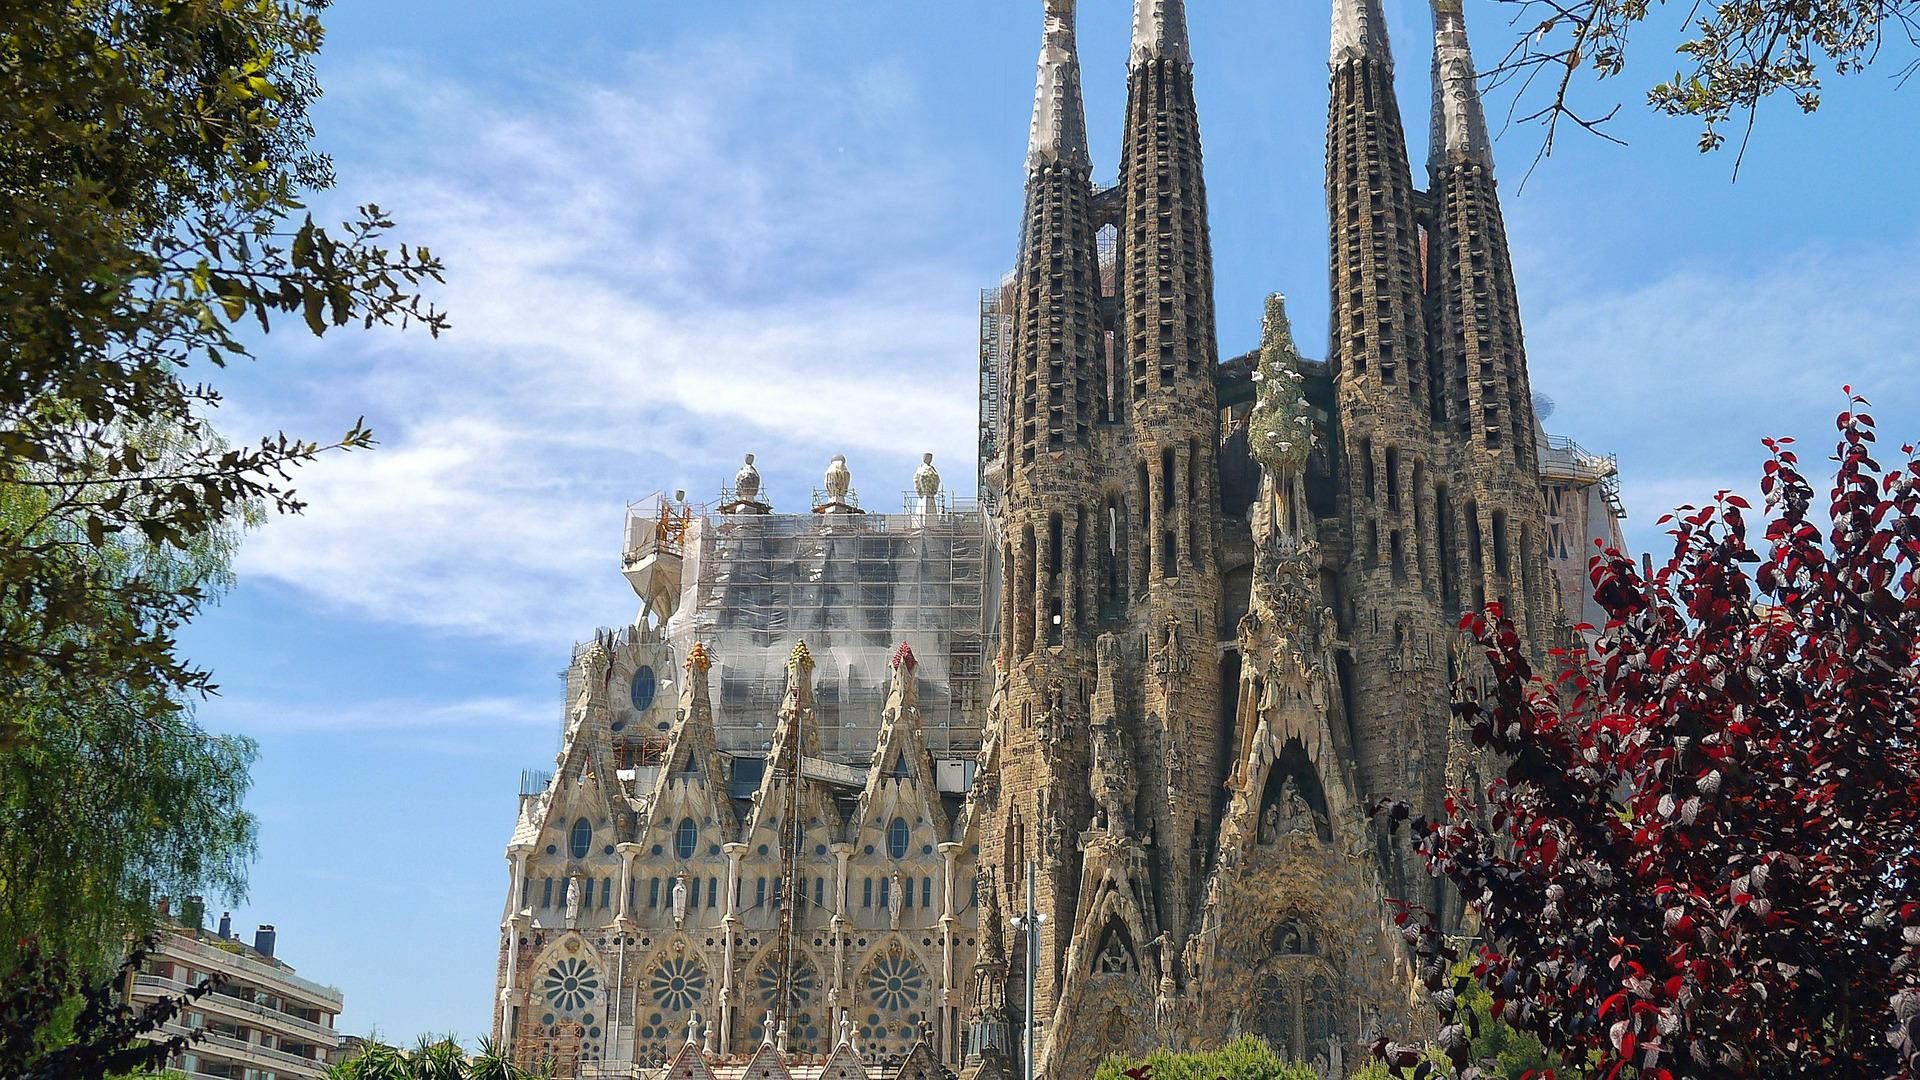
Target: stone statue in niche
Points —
{"points": [[1111, 778], [1287, 940], [899, 901], [1113, 959], [680, 901], [1172, 659], [573, 899], [1056, 716]]}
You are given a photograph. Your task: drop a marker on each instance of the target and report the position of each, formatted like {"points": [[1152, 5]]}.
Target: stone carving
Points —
{"points": [[899, 901], [680, 902], [573, 900], [839, 479], [926, 479], [746, 482], [1171, 655], [1112, 780]]}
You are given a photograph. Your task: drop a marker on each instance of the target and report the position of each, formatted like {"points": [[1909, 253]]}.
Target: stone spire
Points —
{"points": [[1391, 460], [1360, 30], [1459, 122], [1059, 131], [1482, 357], [1160, 32], [1171, 588]]}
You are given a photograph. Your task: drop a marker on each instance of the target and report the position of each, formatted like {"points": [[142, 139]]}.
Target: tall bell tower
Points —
{"points": [[1171, 349], [1054, 383]]}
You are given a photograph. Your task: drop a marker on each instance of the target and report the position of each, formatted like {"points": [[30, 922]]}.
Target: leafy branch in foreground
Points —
{"points": [[1703, 858], [153, 162], [1736, 54], [105, 1038]]}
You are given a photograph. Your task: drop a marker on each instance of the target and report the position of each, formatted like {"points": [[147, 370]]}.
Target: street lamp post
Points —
{"points": [[1029, 922]]}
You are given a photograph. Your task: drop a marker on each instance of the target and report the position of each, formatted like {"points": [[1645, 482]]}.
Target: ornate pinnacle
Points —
{"points": [[903, 657], [698, 659], [1059, 132], [1160, 31], [800, 663], [1459, 121], [1360, 31]]}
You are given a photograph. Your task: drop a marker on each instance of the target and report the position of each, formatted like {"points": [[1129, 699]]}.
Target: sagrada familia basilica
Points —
{"points": [[1079, 766]]}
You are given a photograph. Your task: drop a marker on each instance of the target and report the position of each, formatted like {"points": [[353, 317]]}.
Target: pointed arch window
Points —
{"points": [[897, 837], [580, 840], [686, 838]]}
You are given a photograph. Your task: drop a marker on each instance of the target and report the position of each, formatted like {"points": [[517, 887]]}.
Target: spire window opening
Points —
{"points": [[1194, 506], [1502, 561]]}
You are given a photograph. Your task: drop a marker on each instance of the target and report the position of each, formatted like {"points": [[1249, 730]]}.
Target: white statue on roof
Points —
{"points": [[746, 482]]}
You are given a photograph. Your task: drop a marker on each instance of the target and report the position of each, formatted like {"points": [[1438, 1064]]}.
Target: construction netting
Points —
{"points": [[853, 587]]}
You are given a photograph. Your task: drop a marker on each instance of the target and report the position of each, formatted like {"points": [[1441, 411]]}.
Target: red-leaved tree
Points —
{"points": [[1703, 857]]}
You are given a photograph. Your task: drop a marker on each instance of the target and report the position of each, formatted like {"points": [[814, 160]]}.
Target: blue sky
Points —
{"points": [[680, 232]]}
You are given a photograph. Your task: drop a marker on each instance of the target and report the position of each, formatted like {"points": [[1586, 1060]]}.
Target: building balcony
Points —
{"points": [[216, 1047], [147, 987]]}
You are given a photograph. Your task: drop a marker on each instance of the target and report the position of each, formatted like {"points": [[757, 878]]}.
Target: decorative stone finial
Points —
{"points": [[903, 657], [693, 1028], [839, 479], [846, 1031], [1360, 32], [1059, 132], [1160, 31], [800, 661], [698, 658], [1459, 120], [766, 1029], [926, 479], [746, 482], [1280, 426]]}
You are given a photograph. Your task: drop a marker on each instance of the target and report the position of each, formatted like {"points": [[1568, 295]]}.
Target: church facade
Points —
{"points": [[1199, 616]]}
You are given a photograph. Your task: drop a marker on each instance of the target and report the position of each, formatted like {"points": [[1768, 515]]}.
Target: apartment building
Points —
{"points": [[260, 1022]]}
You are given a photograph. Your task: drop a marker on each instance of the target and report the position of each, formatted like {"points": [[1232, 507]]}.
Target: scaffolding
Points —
{"points": [[852, 586], [994, 315], [1567, 462]]}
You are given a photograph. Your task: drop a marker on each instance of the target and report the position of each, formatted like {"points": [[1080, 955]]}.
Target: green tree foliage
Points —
{"points": [[112, 798], [431, 1059], [1246, 1058], [55, 1025], [1733, 54], [153, 158], [1504, 1052]]}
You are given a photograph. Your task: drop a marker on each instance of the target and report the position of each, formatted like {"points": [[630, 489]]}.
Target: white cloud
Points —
{"points": [[648, 274], [1683, 375]]}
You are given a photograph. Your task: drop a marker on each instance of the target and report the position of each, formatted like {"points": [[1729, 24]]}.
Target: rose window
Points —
{"points": [[679, 984], [570, 984], [895, 982], [806, 983]]}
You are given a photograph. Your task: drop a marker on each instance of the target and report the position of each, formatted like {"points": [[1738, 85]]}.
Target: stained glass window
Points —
{"points": [[686, 838], [897, 837], [581, 840], [642, 688], [570, 984]]}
